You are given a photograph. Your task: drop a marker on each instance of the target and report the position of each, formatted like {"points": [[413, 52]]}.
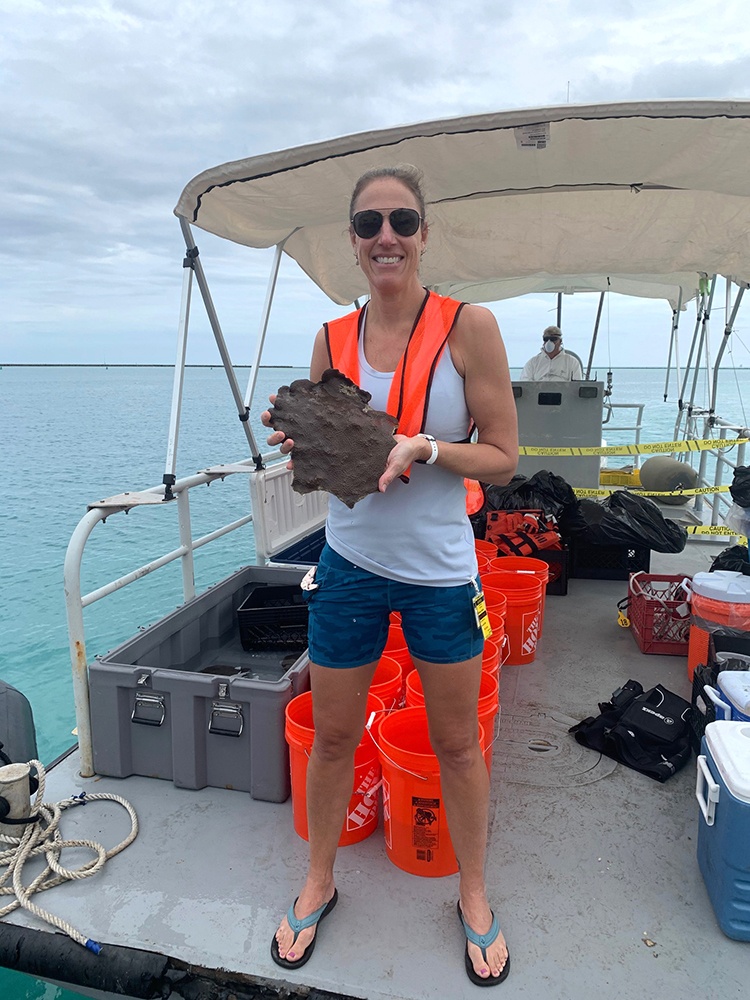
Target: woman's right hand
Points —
{"points": [[278, 438]]}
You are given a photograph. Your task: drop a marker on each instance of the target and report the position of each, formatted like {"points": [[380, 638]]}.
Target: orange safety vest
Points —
{"points": [[409, 395]]}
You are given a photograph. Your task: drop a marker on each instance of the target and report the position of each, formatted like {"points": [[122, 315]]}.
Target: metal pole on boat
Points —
{"points": [[250, 392], [559, 310], [595, 333], [731, 316], [673, 345], [179, 376], [677, 369], [700, 303], [78, 658], [708, 421], [703, 336], [213, 319]]}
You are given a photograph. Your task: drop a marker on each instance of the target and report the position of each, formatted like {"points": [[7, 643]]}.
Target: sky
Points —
{"points": [[109, 107]]}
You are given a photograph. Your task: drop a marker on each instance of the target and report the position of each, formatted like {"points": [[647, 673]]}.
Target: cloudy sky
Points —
{"points": [[108, 107]]}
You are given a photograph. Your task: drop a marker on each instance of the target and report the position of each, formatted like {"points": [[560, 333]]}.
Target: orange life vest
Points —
{"points": [[409, 395]]}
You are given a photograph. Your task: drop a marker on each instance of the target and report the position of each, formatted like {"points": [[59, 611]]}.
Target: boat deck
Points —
{"points": [[591, 866]]}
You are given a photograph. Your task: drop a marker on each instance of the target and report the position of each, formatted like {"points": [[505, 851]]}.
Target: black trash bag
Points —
{"points": [[626, 519], [543, 491], [740, 488], [734, 558]]}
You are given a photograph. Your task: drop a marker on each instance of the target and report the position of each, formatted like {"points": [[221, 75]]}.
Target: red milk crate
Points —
{"points": [[659, 613]]}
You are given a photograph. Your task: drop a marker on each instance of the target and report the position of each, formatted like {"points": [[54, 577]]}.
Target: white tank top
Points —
{"points": [[416, 532]]}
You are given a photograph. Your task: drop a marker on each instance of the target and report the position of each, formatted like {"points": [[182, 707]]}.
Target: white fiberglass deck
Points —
{"points": [[587, 861]]}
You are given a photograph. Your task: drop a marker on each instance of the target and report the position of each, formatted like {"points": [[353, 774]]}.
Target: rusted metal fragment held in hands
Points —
{"points": [[341, 444]]}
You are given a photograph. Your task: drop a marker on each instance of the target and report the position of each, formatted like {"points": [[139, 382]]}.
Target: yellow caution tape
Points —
{"points": [[605, 491], [653, 448], [714, 529], [698, 491]]}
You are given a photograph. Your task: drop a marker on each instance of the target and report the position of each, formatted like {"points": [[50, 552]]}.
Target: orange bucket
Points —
{"points": [[495, 652], [494, 599], [720, 599], [487, 707], [362, 811], [734, 616], [491, 653], [497, 622], [414, 823], [485, 547], [396, 647], [523, 614], [388, 682], [524, 564], [483, 563]]}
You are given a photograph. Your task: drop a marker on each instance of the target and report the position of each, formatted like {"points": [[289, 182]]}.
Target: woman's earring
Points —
{"points": [[356, 259]]}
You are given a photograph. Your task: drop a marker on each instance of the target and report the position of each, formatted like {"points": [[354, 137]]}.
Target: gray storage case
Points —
{"points": [[184, 701]]}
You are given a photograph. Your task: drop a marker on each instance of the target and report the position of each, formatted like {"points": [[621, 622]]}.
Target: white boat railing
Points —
{"points": [[76, 601], [703, 424], [636, 427]]}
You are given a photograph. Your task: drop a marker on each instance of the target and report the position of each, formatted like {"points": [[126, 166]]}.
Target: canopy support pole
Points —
{"points": [[178, 383], [595, 334], [250, 392], [242, 411], [673, 346], [728, 328], [700, 306], [704, 328]]}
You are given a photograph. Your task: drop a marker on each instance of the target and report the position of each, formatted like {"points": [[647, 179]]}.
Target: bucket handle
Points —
{"points": [[369, 795], [422, 777], [506, 644], [713, 694], [708, 802]]}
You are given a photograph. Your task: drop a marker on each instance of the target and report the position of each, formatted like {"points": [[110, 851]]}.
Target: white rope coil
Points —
{"points": [[43, 837]]}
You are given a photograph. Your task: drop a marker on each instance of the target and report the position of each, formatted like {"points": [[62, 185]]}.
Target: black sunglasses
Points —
{"points": [[553, 339], [403, 221]]}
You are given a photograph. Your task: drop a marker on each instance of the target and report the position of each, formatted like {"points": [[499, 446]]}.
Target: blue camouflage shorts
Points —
{"points": [[350, 609]]}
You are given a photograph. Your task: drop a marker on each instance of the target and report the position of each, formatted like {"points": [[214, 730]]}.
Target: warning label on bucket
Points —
{"points": [[425, 826]]}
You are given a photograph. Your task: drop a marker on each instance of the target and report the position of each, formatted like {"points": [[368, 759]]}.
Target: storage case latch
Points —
{"points": [[226, 719], [148, 709]]}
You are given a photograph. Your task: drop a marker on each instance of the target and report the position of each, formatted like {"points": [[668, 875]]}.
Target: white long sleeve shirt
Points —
{"points": [[543, 368]]}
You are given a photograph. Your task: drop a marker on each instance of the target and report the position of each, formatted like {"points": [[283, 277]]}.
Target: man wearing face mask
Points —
{"points": [[552, 364]]}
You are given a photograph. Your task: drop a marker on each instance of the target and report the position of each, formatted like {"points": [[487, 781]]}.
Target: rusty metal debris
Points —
{"points": [[341, 444]]}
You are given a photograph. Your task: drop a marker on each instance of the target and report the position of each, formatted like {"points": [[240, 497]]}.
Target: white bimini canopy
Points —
{"points": [[639, 198]]}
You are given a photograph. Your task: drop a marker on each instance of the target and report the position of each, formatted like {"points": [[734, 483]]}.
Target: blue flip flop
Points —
{"points": [[482, 941], [300, 925]]}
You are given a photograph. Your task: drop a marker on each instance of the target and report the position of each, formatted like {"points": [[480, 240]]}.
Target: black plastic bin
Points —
{"points": [[273, 616], [607, 562], [305, 552]]}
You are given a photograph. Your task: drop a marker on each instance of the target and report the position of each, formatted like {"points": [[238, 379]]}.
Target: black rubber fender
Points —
{"points": [[127, 971]]}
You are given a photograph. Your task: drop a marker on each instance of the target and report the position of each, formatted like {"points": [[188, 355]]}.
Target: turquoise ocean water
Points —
{"points": [[72, 435]]}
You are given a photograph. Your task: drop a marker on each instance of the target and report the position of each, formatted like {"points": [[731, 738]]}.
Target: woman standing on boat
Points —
{"points": [[407, 548]]}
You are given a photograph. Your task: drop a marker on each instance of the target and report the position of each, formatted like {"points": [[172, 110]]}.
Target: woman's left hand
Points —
{"points": [[405, 451]]}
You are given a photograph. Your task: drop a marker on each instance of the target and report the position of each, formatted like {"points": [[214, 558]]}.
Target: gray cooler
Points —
{"points": [[185, 701]]}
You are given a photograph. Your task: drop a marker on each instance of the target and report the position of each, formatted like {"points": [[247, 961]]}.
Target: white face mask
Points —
{"points": [[550, 346]]}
